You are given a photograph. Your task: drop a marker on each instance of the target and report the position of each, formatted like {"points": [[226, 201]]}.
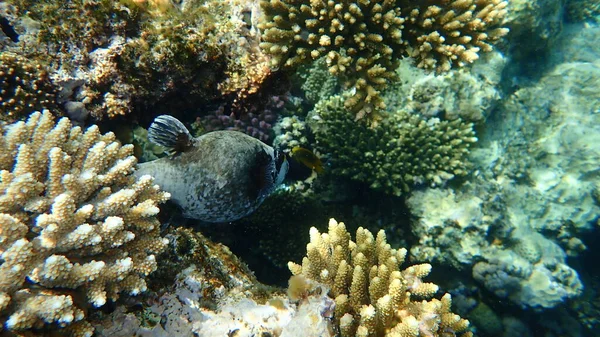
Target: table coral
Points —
{"points": [[364, 40], [373, 296], [76, 227], [403, 151]]}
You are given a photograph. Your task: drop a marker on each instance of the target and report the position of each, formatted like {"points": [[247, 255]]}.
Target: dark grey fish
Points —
{"points": [[220, 176]]}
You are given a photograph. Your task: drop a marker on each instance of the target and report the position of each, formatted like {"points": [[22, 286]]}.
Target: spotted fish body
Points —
{"points": [[218, 177]]}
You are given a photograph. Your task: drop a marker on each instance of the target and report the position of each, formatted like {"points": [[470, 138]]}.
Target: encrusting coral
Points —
{"points": [[404, 150], [76, 227], [363, 40], [373, 296]]}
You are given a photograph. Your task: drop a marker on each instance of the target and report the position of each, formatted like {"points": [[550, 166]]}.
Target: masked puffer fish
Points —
{"points": [[220, 176]]}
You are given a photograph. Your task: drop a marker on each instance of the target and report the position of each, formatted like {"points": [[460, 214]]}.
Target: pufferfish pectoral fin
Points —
{"points": [[167, 131]]}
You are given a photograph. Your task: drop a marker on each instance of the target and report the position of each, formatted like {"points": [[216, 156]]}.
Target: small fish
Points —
{"points": [[220, 176], [308, 158]]}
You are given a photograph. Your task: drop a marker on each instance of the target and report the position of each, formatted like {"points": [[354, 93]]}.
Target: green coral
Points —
{"points": [[402, 151], [363, 40]]}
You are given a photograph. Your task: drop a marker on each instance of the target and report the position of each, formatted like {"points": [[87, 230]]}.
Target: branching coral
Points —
{"points": [[373, 296], [75, 225], [363, 40], [404, 150], [443, 34]]}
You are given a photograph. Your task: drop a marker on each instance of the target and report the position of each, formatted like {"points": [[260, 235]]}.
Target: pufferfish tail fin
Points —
{"points": [[168, 132]]}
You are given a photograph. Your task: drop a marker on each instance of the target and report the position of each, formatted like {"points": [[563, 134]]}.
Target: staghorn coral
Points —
{"points": [[373, 296], [76, 227], [296, 32], [364, 40], [403, 151], [24, 87]]}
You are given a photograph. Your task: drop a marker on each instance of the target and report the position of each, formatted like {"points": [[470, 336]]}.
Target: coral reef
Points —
{"points": [[532, 20], [364, 40], [469, 94], [532, 202], [135, 55], [76, 227], [79, 56], [373, 296], [298, 211], [403, 151], [24, 87], [291, 132], [207, 47], [581, 10], [460, 229], [215, 294], [318, 82]]}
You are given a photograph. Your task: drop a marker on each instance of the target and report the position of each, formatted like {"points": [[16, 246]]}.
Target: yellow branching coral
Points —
{"points": [[373, 296], [73, 221], [364, 39], [362, 42], [442, 34]]}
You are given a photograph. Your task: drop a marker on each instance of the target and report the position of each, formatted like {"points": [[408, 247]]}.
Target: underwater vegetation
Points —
{"points": [[131, 55]]}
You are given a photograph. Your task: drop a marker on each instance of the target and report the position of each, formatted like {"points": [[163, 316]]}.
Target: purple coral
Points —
{"points": [[256, 124]]}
